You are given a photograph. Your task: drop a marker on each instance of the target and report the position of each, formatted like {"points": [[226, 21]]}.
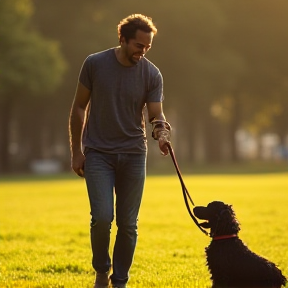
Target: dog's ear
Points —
{"points": [[205, 225]]}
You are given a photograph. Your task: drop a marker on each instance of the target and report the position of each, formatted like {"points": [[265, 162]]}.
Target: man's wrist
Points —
{"points": [[161, 129]]}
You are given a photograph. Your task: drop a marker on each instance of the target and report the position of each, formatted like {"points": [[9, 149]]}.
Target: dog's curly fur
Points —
{"points": [[229, 260]]}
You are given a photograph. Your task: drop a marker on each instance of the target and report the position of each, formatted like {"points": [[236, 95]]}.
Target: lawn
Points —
{"points": [[44, 229]]}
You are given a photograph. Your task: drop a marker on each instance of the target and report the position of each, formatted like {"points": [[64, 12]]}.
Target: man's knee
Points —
{"points": [[128, 230], [101, 222]]}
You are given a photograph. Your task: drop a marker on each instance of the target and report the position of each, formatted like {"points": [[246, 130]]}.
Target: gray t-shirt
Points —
{"points": [[115, 120]]}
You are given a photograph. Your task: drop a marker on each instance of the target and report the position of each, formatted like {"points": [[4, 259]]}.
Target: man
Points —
{"points": [[108, 141]]}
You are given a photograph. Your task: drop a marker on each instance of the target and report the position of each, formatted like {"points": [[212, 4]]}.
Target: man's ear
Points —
{"points": [[122, 40]]}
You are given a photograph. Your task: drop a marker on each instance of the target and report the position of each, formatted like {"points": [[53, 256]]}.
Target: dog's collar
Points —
{"points": [[224, 237]]}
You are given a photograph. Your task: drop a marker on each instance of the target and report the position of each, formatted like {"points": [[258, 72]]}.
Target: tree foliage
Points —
{"points": [[28, 61], [29, 65], [224, 64]]}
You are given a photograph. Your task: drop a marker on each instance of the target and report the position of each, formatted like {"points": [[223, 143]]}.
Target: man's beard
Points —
{"points": [[133, 60]]}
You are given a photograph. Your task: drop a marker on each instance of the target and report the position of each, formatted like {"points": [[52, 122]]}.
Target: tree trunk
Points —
{"points": [[213, 138], [233, 126], [5, 120]]}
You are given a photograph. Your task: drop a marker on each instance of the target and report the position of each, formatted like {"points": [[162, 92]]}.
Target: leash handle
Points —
{"points": [[185, 192]]}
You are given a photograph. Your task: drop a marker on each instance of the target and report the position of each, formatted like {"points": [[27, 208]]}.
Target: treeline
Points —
{"points": [[224, 65]]}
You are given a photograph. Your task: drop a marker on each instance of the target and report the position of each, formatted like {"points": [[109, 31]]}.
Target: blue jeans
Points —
{"points": [[125, 175]]}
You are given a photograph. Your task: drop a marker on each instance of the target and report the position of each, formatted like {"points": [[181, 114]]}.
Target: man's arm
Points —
{"points": [[155, 112], [76, 123]]}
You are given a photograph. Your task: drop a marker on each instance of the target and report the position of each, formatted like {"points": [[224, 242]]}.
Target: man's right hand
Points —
{"points": [[164, 139], [77, 163]]}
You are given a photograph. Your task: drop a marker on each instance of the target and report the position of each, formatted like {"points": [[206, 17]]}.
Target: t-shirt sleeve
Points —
{"points": [[155, 93], [85, 76]]}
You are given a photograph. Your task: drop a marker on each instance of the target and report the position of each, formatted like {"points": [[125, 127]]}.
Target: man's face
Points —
{"points": [[136, 48]]}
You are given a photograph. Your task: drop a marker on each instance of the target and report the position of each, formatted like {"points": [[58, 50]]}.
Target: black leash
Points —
{"points": [[186, 194]]}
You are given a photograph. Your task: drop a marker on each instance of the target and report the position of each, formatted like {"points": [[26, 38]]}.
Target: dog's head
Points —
{"points": [[220, 218]]}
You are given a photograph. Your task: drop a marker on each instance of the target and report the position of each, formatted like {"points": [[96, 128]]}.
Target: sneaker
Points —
{"points": [[102, 280]]}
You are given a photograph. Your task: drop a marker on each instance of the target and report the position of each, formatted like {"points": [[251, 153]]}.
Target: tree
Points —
{"points": [[222, 61], [257, 32], [196, 64], [30, 66]]}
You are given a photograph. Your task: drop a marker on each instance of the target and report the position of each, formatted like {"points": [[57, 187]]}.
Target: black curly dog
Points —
{"points": [[229, 260]]}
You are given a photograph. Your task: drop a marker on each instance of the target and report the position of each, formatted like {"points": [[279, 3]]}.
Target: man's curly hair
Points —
{"points": [[128, 26]]}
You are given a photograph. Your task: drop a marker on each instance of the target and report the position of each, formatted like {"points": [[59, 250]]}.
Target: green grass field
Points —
{"points": [[44, 229]]}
